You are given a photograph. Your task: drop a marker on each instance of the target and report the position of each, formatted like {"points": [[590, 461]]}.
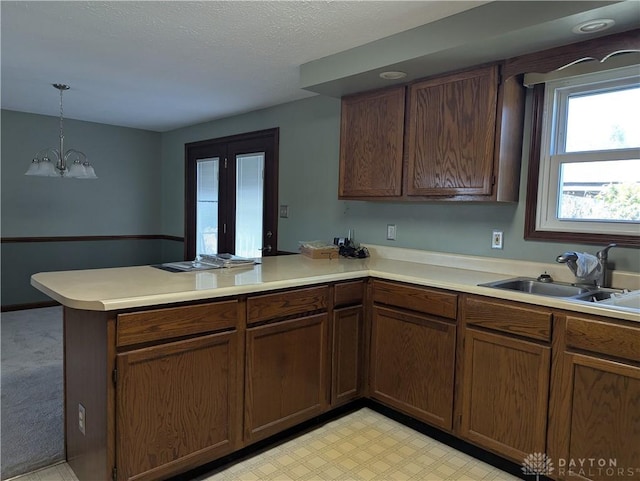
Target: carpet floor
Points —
{"points": [[31, 386]]}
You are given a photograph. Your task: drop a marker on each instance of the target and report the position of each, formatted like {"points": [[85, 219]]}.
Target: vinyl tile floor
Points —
{"points": [[361, 446]]}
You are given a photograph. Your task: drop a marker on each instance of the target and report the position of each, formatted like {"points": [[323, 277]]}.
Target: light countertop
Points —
{"points": [[141, 286]]}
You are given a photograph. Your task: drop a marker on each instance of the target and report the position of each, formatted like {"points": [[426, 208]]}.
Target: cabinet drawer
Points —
{"points": [[603, 337], [508, 317], [158, 324], [281, 304], [419, 299], [348, 293]]}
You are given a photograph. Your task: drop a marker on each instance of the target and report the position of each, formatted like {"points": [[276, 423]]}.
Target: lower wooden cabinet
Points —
{"points": [[286, 375], [603, 420], [413, 363], [594, 433], [347, 354], [176, 406], [528, 379], [505, 389]]}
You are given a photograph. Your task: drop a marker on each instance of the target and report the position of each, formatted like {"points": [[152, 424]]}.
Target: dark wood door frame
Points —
{"points": [[230, 146]]}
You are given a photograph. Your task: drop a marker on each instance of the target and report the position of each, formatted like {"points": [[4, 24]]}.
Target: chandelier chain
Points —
{"points": [[61, 119]]}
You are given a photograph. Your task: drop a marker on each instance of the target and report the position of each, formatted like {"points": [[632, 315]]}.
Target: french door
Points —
{"points": [[231, 195]]}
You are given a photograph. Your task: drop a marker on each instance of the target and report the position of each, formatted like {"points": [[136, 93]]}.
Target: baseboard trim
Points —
{"points": [[90, 238], [30, 305]]}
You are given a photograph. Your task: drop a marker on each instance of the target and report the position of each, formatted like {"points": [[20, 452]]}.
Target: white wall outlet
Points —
{"points": [[496, 239], [82, 418], [284, 211], [391, 232]]}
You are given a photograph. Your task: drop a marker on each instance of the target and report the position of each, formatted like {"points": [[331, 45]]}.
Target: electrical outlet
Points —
{"points": [[496, 239], [284, 211], [391, 232], [82, 418]]}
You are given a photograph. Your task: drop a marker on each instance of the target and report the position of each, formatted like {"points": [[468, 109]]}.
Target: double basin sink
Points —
{"points": [[556, 289]]}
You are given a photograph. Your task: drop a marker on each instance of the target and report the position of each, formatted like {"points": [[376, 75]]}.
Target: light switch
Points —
{"points": [[391, 232], [284, 211]]}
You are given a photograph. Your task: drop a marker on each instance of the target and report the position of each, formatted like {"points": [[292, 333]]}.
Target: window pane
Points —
{"points": [[603, 120], [207, 206], [249, 199], [602, 191]]}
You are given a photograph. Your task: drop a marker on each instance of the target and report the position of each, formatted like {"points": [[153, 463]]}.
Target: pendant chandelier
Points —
{"points": [[52, 162]]}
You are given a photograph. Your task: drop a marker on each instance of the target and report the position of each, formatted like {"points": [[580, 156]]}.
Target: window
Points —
{"points": [[588, 175], [249, 204], [231, 195], [207, 200]]}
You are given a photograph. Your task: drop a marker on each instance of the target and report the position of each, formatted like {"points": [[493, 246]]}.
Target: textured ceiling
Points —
{"points": [[492, 31], [164, 65]]}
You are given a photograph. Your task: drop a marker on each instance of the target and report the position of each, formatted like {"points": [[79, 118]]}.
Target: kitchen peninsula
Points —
{"points": [[173, 370]]}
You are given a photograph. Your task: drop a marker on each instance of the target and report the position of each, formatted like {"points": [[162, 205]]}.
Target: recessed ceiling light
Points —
{"points": [[392, 75], [593, 26]]}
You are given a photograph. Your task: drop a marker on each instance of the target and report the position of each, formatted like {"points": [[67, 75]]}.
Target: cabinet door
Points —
{"points": [[286, 375], [452, 122], [176, 406], [347, 351], [371, 144], [602, 418], [412, 364], [505, 394]]}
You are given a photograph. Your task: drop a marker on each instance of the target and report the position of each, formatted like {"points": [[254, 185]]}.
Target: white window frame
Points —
{"points": [[554, 119]]}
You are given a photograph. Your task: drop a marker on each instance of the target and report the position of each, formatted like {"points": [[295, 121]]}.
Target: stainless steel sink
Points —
{"points": [[596, 296], [555, 289], [533, 286]]}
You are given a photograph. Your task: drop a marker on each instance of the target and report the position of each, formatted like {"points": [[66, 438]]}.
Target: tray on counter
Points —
{"points": [[205, 262]]}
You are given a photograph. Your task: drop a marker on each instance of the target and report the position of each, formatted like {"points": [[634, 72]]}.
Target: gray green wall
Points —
{"points": [[308, 175], [309, 151], [140, 191], [124, 200]]}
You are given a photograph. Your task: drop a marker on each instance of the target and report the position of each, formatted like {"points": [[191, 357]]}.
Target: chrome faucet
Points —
{"points": [[603, 278], [599, 275]]}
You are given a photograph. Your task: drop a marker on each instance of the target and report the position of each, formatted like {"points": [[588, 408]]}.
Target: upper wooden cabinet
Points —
{"points": [[371, 137], [451, 133], [462, 140]]}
